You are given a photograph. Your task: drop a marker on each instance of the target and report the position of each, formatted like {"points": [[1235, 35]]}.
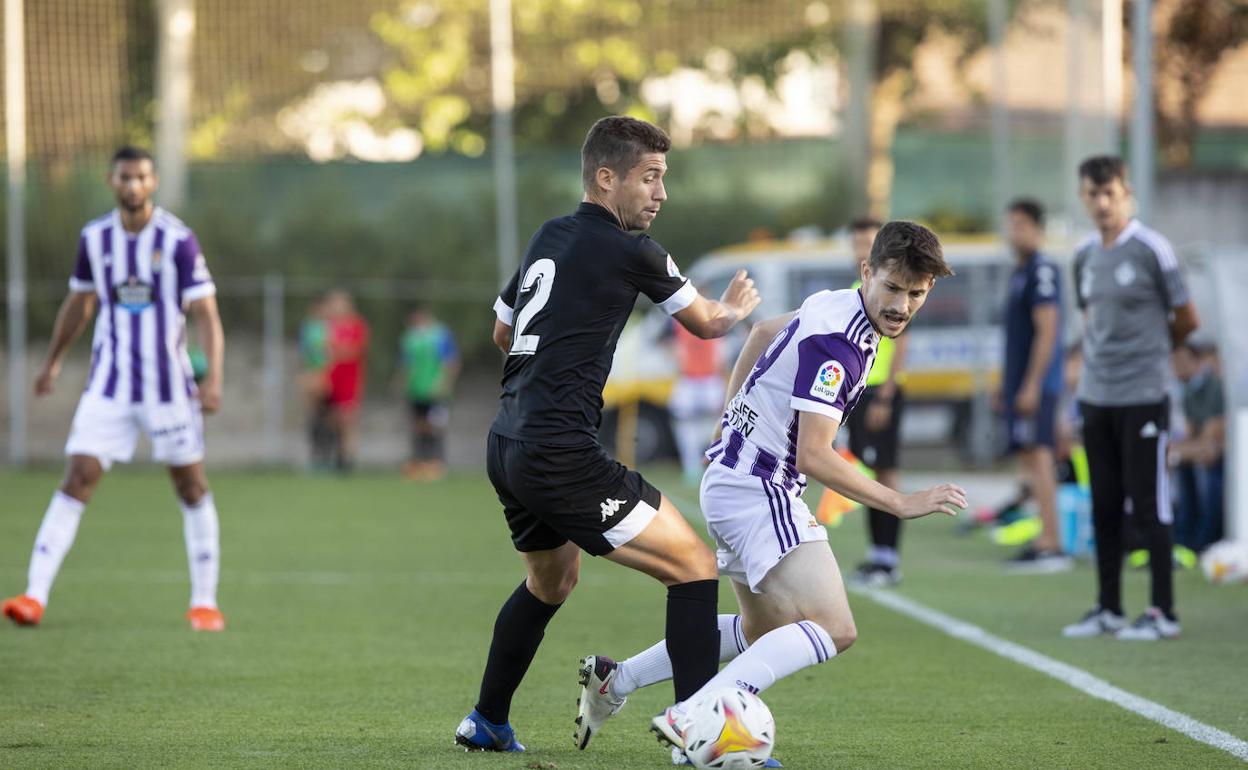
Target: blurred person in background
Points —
{"points": [[429, 365], [1198, 458], [875, 432], [144, 269], [1032, 379], [697, 398], [347, 346], [1136, 307], [314, 384]]}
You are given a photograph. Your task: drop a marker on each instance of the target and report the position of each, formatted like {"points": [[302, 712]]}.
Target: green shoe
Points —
{"points": [[1019, 532], [1138, 559], [1185, 557]]}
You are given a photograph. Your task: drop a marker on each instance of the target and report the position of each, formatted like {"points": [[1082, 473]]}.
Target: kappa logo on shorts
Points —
{"points": [[828, 381], [610, 507]]}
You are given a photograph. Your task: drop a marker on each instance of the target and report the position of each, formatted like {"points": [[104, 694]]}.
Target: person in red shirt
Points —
{"points": [[348, 352], [697, 399]]}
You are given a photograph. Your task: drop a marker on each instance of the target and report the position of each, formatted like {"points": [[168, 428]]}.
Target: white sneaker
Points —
{"points": [[1152, 626], [1094, 623], [668, 727], [597, 704]]}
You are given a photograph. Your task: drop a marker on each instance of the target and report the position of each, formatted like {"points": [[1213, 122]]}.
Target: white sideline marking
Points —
{"points": [[1063, 672]]}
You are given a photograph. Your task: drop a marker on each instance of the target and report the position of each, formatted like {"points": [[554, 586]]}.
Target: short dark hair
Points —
{"points": [[858, 224], [1103, 169], [130, 152], [1030, 208], [910, 246], [618, 142]]}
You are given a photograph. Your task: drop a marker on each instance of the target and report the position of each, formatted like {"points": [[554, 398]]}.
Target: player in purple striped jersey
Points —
{"points": [[794, 382], [144, 271]]}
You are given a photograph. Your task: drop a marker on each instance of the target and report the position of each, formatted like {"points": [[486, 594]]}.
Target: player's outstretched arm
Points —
{"points": [[212, 341], [708, 318], [818, 459], [76, 310]]}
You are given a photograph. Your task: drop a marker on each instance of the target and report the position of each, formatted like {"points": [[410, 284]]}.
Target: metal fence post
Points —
{"points": [[274, 297]]}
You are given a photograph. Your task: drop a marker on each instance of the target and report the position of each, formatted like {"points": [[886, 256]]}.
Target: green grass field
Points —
{"points": [[359, 613]]}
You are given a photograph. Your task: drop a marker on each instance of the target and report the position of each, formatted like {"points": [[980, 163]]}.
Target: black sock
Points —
{"points": [[693, 635], [518, 631]]}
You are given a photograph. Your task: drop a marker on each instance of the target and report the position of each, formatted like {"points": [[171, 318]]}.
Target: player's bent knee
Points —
{"points": [[845, 638], [697, 563], [553, 589], [81, 479]]}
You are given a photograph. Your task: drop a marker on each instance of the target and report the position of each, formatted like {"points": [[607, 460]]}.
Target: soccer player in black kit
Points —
{"points": [[558, 322]]}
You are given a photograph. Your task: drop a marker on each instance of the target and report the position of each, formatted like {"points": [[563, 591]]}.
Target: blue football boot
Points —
{"points": [[476, 733]]}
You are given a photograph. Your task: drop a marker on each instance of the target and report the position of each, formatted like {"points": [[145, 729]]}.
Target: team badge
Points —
{"points": [[828, 381], [133, 295], [1124, 274], [155, 260]]}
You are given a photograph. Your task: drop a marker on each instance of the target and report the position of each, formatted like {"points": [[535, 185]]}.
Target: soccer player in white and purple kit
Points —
{"points": [[796, 379], [143, 268]]}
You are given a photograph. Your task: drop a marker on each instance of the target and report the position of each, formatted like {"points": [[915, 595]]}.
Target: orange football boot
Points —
{"points": [[23, 610], [206, 619]]}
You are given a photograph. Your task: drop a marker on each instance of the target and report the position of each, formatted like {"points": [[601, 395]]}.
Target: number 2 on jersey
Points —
{"points": [[539, 279]]}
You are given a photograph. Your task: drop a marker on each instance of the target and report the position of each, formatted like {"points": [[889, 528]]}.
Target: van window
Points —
{"points": [[804, 281], [949, 304]]}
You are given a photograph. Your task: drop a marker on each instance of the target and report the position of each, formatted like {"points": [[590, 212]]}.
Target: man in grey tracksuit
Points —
{"points": [[1136, 307]]}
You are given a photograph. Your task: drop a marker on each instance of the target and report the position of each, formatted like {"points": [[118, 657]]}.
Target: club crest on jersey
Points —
{"points": [[828, 381], [133, 295], [156, 255]]}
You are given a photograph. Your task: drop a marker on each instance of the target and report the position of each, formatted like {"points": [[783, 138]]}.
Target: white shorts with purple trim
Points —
{"points": [[755, 523], [108, 430]]}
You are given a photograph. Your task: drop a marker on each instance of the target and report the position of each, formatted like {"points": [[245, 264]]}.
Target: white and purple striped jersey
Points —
{"points": [[818, 363], [144, 282]]}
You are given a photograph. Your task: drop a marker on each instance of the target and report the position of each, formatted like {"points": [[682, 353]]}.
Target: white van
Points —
{"points": [[955, 348]]}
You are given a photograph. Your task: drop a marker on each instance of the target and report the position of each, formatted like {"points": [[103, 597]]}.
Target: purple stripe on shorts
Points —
{"points": [[765, 465], [788, 514], [110, 383], [162, 345], [821, 652], [732, 452], [781, 536], [136, 326]]}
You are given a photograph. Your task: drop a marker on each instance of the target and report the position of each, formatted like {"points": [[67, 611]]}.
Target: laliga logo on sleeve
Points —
{"points": [[672, 270], [828, 381]]}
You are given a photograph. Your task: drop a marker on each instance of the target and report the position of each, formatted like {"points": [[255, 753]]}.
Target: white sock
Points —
{"points": [[56, 535], [653, 665], [203, 550], [882, 554], [773, 656]]}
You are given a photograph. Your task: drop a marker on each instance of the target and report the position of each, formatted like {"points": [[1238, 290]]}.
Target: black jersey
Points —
{"points": [[567, 304]]}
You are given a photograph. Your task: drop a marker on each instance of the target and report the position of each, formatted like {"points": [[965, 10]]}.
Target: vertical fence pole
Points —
{"points": [[15, 144], [273, 378]]}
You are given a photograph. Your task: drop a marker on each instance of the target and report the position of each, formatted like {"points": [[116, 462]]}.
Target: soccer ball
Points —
{"points": [[1225, 562], [729, 729]]}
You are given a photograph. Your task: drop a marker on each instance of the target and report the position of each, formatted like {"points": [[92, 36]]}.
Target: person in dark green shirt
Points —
{"points": [[430, 364], [314, 356]]}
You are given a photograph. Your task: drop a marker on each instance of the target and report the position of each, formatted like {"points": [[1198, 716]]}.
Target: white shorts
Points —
{"points": [[755, 523], [697, 397], [109, 430]]}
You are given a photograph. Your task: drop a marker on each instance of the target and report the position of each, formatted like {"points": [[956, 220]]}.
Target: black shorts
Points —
{"points": [[878, 449], [553, 494], [1033, 430], [432, 411]]}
